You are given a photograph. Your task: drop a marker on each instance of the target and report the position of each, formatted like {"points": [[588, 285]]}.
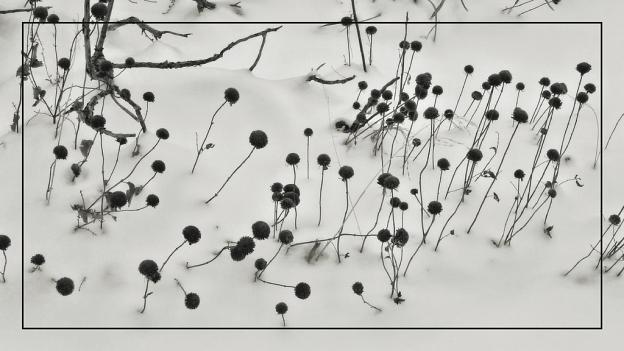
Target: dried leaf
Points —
{"points": [[130, 192], [85, 147], [496, 197]]}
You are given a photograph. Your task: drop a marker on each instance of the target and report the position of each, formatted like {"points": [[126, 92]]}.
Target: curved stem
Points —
{"points": [[230, 177]]}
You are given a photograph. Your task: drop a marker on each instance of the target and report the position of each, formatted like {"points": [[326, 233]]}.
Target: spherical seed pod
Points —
{"points": [[476, 95], [125, 94], [258, 139], [495, 79], [437, 90], [292, 188], [5, 242], [155, 278], [260, 264], [444, 164], [346, 21], [117, 199], [382, 177], [403, 96], [286, 237], [152, 200], [162, 133], [302, 290], [308, 132], [431, 113], [356, 106], [98, 122], [410, 105], [414, 191], [412, 115], [553, 155], [148, 96], [395, 202], [130, 61], [449, 114], [191, 234], [404, 44], [386, 94], [60, 152], [434, 207], [424, 80], [191, 301], [416, 142], [401, 237], [246, 244], [520, 86], [403, 206], [65, 286], [582, 97], [148, 268], [486, 86], [391, 182], [231, 95], [375, 93], [505, 75], [552, 193], [260, 230], [287, 204], [555, 102], [590, 88], [346, 172], [492, 115], [281, 308], [546, 94], [468, 69], [40, 13], [158, 166], [76, 170], [416, 45], [474, 155], [37, 260], [583, 68], [357, 288], [53, 18], [398, 118], [99, 11], [382, 107], [615, 219], [384, 235], [371, 30], [237, 254], [122, 140], [519, 115], [420, 92], [276, 196], [64, 63], [362, 85], [292, 159], [519, 174], [544, 81], [323, 160], [558, 88]]}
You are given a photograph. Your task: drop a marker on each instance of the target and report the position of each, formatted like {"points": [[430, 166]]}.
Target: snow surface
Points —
{"points": [[467, 283]]}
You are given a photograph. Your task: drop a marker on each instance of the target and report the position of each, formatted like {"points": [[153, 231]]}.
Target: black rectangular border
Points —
{"points": [[600, 327]]}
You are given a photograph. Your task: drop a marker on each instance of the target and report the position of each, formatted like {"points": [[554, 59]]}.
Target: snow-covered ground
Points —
{"points": [[467, 283]]}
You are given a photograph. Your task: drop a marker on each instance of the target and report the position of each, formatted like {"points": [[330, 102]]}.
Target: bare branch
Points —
{"points": [[192, 63], [144, 27], [2, 12], [315, 78]]}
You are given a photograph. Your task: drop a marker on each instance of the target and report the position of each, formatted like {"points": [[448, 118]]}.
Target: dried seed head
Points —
{"points": [[431, 113], [401, 237], [555, 102], [553, 155], [148, 96], [53, 18], [117, 199], [97, 122], [5, 242], [519, 115], [546, 94], [615, 219], [544, 81], [449, 114], [403, 206], [520, 86], [558, 88], [519, 174], [152, 200], [99, 11], [391, 182], [346, 21], [64, 63], [286, 237], [371, 30], [492, 115], [437, 90], [191, 301], [474, 155], [357, 288], [382, 107], [191, 234], [386, 94], [362, 85], [583, 68], [495, 79], [158, 166], [281, 308], [444, 164], [246, 244], [40, 13], [65, 286], [260, 230], [384, 235], [468, 69], [590, 88], [130, 61], [258, 139], [416, 45], [260, 264], [486, 86], [60, 152], [434, 207], [302, 290], [582, 97], [37, 260], [308, 132], [395, 202], [505, 75], [162, 133], [476, 95], [346, 172], [231, 95], [148, 268], [323, 160], [292, 159]]}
